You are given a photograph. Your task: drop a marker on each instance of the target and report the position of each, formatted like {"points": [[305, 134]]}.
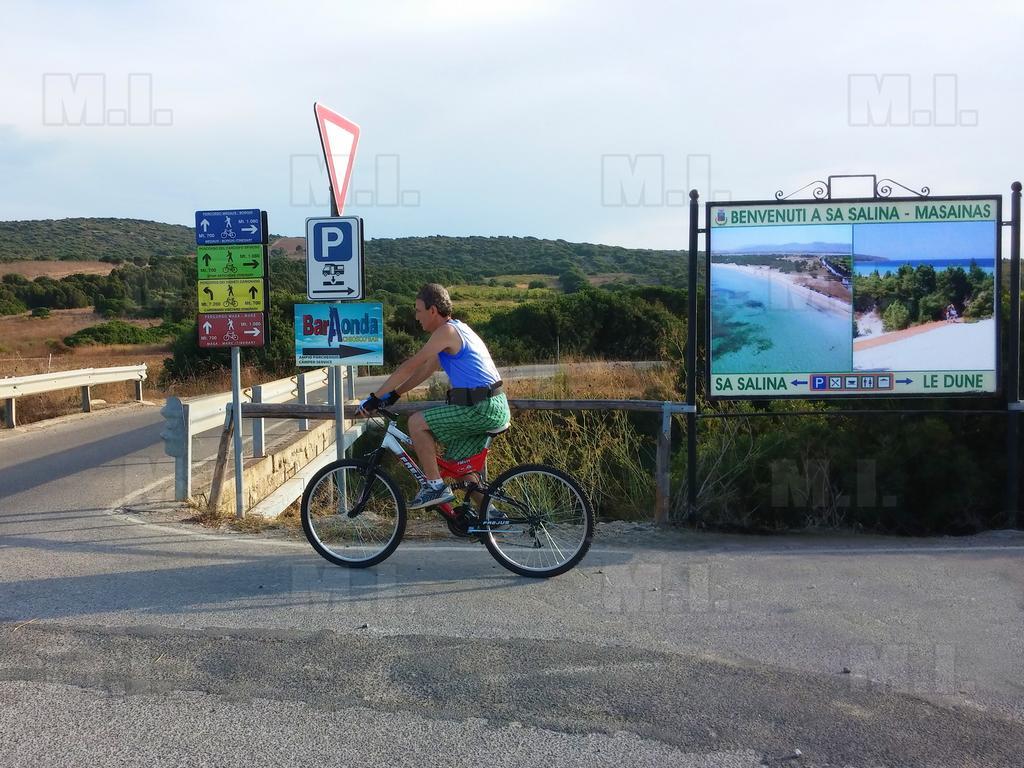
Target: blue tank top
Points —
{"points": [[472, 366]]}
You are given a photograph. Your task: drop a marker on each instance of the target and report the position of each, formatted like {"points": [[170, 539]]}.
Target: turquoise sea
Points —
{"points": [[892, 265], [760, 325]]}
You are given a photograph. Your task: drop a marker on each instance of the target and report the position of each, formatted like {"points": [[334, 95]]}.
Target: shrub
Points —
{"points": [[120, 332], [896, 317]]}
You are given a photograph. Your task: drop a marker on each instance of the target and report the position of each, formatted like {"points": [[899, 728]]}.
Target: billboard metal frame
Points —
{"points": [[1006, 399]]}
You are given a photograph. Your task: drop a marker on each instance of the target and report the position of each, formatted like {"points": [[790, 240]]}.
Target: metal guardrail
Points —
{"points": [[14, 387], [187, 418]]}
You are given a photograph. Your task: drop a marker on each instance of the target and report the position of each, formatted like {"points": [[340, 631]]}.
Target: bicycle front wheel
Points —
{"points": [[539, 522], [351, 515]]}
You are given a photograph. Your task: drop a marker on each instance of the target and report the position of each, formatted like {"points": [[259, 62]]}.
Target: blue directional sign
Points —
{"points": [[334, 258], [242, 226]]}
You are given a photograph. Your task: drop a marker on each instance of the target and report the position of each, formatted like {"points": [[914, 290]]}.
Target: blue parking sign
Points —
{"points": [[334, 258]]}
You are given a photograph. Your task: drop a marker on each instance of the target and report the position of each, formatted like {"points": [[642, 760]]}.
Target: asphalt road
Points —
{"points": [[127, 642]]}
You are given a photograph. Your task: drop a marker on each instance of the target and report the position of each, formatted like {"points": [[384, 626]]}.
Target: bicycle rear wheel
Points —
{"points": [[539, 522], [351, 515]]}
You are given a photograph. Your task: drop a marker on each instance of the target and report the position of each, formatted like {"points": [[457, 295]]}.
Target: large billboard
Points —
{"points": [[853, 298]]}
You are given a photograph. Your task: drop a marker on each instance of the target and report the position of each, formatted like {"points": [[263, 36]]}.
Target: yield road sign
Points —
{"points": [[233, 329], [230, 295], [229, 261], [338, 138], [334, 258], [236, 226]]}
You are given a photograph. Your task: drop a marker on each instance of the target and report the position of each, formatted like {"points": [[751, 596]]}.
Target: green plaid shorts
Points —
{"points": [[462, 429]]}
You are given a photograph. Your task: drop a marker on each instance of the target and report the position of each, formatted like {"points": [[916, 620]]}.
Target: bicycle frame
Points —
{"points": [[395, 439]]}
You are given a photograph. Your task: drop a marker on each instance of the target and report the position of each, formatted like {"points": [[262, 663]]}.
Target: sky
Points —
{"points": [[927, 241], [585, 121], [729, 238]]}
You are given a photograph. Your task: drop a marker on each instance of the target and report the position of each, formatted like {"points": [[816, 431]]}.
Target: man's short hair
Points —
{"points": [[434, 295]]}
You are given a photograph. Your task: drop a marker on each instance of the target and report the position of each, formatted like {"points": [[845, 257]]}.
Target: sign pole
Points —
{"points": [[236, 405], [1013, 366], [691, 363], [339, 397], [353, 371]]}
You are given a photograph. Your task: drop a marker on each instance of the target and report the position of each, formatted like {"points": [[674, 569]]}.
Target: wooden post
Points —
{"points": [[10, 420], [217, 486], [661, 472], [86, 400]]}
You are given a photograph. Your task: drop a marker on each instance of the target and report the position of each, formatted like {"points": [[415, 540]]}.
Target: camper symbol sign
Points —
{"points": [[334, 258]]}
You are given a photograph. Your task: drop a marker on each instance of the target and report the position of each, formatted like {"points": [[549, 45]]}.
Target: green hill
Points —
{"points": [[93, 240], [448, 259], [473, 258]]}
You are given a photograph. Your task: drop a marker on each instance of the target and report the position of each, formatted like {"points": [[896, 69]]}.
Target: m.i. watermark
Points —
{"points": [[633, 181], [310, 184], [91, 99], [898, 100]]}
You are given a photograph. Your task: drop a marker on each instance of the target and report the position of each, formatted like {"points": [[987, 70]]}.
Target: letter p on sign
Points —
{"points": [[331, 238], [333, 241]]}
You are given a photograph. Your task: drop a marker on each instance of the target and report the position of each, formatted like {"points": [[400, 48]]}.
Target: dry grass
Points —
{"points": [[599, 380], [26, 336], [290, 245], [55, 269]]}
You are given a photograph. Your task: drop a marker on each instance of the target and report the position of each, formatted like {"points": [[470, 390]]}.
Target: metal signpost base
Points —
{"points": [[1013, 367], [236, 405], [339, 413]]}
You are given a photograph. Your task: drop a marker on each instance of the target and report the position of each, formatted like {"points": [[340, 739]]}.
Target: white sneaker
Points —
{"points": [[429, 497]]}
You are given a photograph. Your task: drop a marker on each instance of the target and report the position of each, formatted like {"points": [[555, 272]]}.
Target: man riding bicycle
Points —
{"points": [[476, 402]]}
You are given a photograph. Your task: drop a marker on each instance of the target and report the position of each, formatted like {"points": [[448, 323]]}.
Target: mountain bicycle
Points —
{"points": [[534, 519]]}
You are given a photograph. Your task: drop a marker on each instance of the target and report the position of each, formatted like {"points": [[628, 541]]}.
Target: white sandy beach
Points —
{"points": [[950, 347], [870, 324], [786, 293]]}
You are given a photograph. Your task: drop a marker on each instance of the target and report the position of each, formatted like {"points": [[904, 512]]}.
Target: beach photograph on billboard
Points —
{"points": [[853, 298], [925, 296], [773, 289]]}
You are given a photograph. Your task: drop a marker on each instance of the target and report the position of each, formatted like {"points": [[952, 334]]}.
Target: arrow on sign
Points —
{"points": [[253, 292], [252, 263], [206, 259], [343, 351], [904, 381], [252, 331], [204, 224], [208, 292], [207, 327], [251, 229], [797, 382]]}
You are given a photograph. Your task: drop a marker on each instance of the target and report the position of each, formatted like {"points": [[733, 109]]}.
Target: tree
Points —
{"points": [[896, 317]]}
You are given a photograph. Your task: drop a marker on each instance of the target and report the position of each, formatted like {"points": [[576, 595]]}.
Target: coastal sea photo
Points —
{"points": [[924, 296], [781, 299]]}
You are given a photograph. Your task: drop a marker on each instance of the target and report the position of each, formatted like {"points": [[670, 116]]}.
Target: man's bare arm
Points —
{"points": [[417, 368]]}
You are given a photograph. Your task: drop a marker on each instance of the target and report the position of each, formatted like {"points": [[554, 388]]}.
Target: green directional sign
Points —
{"points": [[217, 262], [230, 295]]}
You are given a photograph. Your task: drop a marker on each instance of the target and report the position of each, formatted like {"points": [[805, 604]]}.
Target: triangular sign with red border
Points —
{"points": [[338, 138]]}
